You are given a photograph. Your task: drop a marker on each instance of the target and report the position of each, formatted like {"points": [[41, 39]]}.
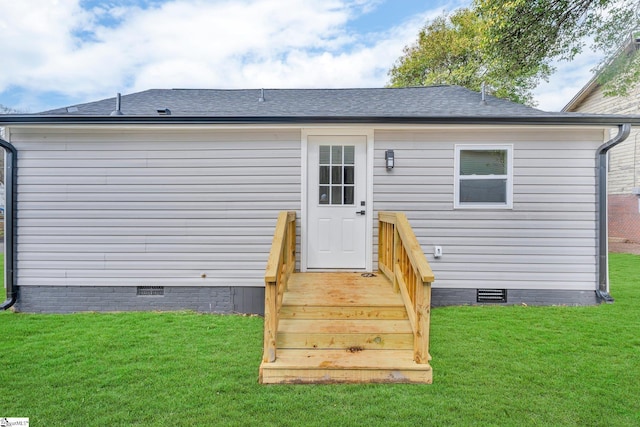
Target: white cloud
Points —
{"points": [[87, 54], [33, 34], [364, 66], [56, 45], [567, 81]]}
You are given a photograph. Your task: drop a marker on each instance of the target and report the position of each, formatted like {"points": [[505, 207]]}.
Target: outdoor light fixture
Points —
{"points": [[389, 159]]}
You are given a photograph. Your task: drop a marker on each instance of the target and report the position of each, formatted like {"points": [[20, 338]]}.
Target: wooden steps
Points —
{"points": [[341, 333], [343, 327], [335, 366]]}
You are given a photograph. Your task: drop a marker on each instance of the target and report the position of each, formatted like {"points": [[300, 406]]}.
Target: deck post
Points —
{"points": [[421, 337], [270, 322], [427, 317]]}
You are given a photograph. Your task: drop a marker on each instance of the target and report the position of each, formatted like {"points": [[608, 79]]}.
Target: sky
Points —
{"points": [[57, 53]]}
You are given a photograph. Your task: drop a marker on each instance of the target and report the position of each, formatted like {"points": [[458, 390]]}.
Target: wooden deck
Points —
{"points": [[343, 327]]}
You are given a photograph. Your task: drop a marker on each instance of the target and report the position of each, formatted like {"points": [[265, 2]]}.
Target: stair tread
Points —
{"points": [[340, 289], [352, 300], [342, 312], [344, 326], [343, 341], [344, 359]]}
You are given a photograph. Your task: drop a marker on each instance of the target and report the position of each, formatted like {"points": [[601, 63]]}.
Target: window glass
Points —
{"points": [[324, 175], [483, 191], [348, 195], [336, 195], [349, 175], [486, 162], [349, 154], [336, 174], [325, 151], [336, 154], [324, 195]]}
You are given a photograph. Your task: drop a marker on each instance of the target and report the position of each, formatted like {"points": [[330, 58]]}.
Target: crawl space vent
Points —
{"points": [[492, 295], [150, 291]]}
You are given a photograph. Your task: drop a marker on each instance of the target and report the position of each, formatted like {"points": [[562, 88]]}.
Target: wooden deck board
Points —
{"points": [[348, 376], [349, 289], [344, 326], [343, 312], [343, 341], [344, 359]]}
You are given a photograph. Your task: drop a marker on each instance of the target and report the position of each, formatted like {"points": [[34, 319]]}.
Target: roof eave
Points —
{"points": [[551, 119]]}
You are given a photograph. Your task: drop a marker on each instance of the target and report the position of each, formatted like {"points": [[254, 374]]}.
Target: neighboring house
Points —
{"points": [[176, 194], [624, 159]]}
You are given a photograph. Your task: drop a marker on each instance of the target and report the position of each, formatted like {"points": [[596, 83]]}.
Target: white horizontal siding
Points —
{"points": [[139, 208], [140, 248], [199, 207], [161, 214], [144, 231], [153, 165], [253, 168], [27, 190], [547, 241]]}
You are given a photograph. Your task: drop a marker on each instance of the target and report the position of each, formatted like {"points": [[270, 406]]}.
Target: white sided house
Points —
{"points": [[168, 199]]}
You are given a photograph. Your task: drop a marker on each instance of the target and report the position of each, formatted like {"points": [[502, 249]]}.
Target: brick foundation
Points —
{"points": [[624, 217], [444, 297], [70, 299]]}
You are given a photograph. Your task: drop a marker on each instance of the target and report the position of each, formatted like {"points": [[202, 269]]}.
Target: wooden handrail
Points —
{"points": [[401, 259], [281, 263]]}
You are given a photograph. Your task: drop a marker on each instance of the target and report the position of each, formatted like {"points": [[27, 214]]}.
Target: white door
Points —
{"points": [[337, 205]]}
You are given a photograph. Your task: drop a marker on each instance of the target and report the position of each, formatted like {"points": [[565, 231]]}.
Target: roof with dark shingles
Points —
{"points": [[432, 101]]}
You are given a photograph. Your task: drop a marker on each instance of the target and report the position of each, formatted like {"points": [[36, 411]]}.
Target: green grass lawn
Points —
{"points": [[513, 366]]}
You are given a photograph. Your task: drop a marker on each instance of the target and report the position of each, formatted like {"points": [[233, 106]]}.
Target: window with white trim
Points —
{"points": [[483, 176]]}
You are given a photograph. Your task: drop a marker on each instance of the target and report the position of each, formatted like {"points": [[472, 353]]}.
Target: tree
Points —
{"points": [[530, 33], [452, 49], [8, 110]]}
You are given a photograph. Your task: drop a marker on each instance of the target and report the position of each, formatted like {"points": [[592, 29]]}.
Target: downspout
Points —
{"points": [[10, 222], [602, 292]]}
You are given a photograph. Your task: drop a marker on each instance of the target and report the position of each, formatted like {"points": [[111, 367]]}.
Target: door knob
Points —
{"points": [[362, 212]]}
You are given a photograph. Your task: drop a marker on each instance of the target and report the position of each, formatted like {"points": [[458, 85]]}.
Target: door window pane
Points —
{"points": [[324, 175], [348, 195], [336, 154], [349, 175], [349, 154], [336, 174], [336, 195], [324, 154], [324, 195]]}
